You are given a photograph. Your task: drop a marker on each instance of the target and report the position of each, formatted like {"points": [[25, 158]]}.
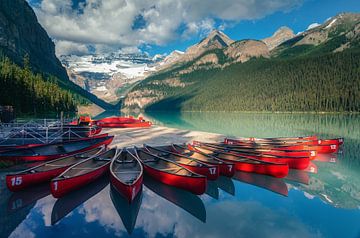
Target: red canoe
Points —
{"points": [[294, 146], [46, 171], [267, 151], [54, 150], [171, 173], [126, 174], [293, 162], [274, 139], [122, 122], [250, 165], [82, 173], [226, 168], [210, 171]]}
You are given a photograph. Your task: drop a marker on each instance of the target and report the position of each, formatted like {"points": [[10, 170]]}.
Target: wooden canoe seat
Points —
{"points": [[124, 162], [127, 172]]}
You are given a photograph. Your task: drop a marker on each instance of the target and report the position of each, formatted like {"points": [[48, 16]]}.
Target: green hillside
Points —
{"points": [[35, 93], [329, 82]]}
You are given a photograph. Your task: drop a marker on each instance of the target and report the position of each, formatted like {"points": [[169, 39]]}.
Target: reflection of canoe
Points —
{"points": [[126, 174], [171, 173], [312, 168], [128, 212], [28, 196], [55, 150], [45, 171], [329, 158], [68, 203], [272, 184], [244, 163], [226, 184], [298, 176], [181, 198], [210, 171], [82, 173], [212, 190], [226, 168]]}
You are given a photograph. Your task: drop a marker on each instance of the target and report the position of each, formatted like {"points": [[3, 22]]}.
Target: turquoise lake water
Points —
{"points": [[322, 204]]}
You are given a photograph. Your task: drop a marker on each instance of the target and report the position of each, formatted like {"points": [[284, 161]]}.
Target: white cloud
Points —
{"points": [[313, 25], [111, 23]]}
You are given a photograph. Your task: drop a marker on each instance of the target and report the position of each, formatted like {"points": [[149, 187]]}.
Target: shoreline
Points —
{"points": [[158, 135]]}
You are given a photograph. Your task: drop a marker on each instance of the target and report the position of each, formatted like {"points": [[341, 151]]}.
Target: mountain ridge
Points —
{"points": [[196, 77]]}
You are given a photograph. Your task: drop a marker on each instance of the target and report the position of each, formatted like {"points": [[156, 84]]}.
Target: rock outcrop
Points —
{"points": [[21, 35], [280, 36]]}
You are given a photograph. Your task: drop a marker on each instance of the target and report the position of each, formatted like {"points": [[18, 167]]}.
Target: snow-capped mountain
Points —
{"points": [[104, 74]]}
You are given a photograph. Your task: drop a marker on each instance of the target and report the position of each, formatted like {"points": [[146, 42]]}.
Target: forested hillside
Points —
{"points": [[33, 93], [315, 71], [318, 83]]}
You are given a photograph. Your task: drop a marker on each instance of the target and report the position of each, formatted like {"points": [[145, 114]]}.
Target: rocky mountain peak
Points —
{"points": [[283, 34]]}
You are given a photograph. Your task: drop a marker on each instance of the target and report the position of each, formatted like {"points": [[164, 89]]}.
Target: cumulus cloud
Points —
{"points": [[124, 23]]}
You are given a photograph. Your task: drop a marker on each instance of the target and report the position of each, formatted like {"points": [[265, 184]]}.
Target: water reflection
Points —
{"points": [[226, 184], [212, 189], [323, 201], [128, 212], [272, 184], [29, 196], [68, 203], [298, 176], [181, 198]]}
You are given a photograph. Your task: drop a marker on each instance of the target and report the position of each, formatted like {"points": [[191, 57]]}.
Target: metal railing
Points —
{"points": [[40, 131]]}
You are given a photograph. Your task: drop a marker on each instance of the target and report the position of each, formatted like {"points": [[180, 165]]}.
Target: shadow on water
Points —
{"points": [[212, 189], [226, 184], [269, 183], [181, 198], [69, 202], [298, 176], [128, 212], [24, 198]]}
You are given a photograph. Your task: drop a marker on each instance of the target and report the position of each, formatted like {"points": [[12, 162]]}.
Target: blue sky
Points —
{"points": [[162, 26]]}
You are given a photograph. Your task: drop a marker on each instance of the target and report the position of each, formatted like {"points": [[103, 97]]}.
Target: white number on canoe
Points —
{"points": [[55, 186], [312, 153], [230, 167], [333, 147], [16, 181], [212, 170]]}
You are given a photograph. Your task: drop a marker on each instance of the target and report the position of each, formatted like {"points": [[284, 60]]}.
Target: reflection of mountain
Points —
{"points": [[298, 176], [67, 204], [264, 124], [9, 221], [127, 211], [269, 183], [184, 199]]}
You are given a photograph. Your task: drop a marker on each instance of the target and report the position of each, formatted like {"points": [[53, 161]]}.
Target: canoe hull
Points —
{"points": [[56, 156], [61, 187], [20, 182], [196, 185], [128, 191]]}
